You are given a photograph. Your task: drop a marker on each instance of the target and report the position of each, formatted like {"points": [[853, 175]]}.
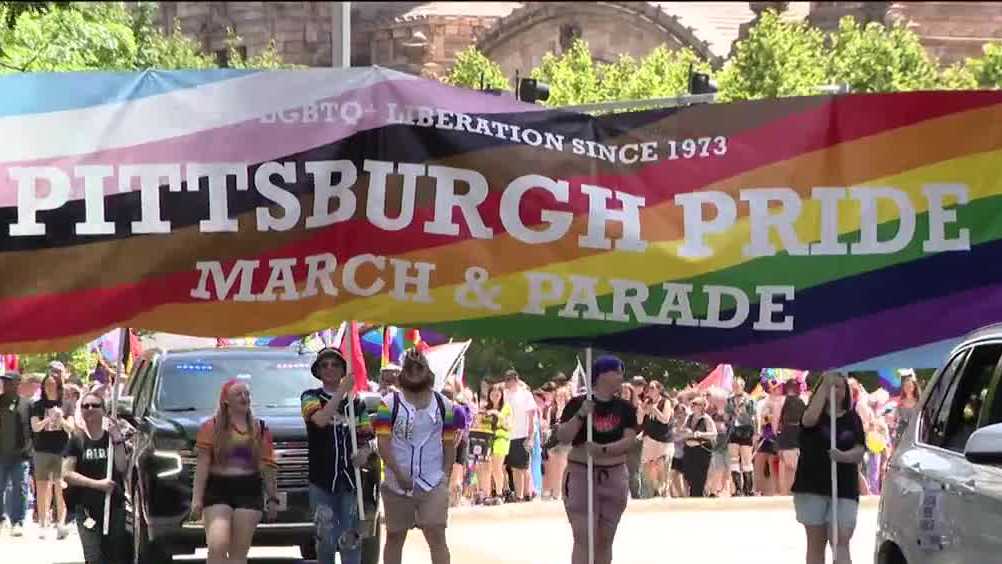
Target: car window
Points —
{"points": [[967, 396], [928, 431], [193, 383], [144, 383]]}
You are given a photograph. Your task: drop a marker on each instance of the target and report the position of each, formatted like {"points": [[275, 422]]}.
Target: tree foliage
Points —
{"points": [[875, 58], [986, 71], [79, 36], [474, 70], [778, 58]]}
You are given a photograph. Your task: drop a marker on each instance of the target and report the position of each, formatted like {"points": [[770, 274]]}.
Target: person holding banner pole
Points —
{"points": [[826, 488], [332, 414], [596, 481], [92, 446]]}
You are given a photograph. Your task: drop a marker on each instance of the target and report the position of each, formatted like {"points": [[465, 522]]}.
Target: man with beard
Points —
{"points": [[416, 431]]}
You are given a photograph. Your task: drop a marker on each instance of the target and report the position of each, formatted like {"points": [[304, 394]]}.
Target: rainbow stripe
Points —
{"points": [[861, 311]]}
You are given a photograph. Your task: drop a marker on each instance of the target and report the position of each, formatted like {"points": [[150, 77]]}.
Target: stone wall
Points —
{"points": [[382, 33], [522, 39]]}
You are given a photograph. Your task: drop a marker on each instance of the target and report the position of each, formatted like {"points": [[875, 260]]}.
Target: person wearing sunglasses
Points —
{"points": [[85, 467], [332, 476]]}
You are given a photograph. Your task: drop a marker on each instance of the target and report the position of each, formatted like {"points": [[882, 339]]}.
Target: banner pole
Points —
{"points": [[350, 334], [591, 463], [115, 388], [832, 437]]}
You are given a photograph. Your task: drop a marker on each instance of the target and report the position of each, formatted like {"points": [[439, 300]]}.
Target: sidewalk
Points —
{"points": [[535, 509]]}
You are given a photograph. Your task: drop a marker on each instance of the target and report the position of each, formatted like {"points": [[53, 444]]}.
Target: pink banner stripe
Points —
{"points": [[254, 142]]}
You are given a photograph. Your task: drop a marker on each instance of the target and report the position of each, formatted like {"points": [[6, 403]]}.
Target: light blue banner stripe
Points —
{"points": [[925, 356], [34, 93]]}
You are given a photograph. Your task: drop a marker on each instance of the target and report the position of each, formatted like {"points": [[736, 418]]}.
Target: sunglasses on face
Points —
{"points": [[91, 406]]}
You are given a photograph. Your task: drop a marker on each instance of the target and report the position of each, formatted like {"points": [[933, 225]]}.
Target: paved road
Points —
{"points": [[745, 531]]}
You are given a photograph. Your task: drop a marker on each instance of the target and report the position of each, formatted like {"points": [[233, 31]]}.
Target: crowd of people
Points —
{"points": [[506, 444], [690, 443], [38, 416]]}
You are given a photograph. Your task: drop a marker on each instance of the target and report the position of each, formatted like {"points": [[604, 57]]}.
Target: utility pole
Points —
{"points": [[340, 34]]}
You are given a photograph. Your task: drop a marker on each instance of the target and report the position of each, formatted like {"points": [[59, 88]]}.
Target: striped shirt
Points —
{"points": [[418, 437]]}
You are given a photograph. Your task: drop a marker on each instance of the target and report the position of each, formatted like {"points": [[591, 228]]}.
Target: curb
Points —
{"points": [[550, 509]]}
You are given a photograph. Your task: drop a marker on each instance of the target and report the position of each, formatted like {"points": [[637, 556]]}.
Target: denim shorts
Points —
{"points": [[816, 510]]}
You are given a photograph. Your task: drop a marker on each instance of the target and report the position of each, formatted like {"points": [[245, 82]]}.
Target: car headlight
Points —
{"points": [[171, 459], [168, 454]]}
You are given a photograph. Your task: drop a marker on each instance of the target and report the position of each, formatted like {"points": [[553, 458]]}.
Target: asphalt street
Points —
{"points": [[745, 531]]}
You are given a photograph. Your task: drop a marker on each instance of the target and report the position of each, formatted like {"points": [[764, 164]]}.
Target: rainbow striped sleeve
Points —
{"points": [[381, 423], [455, 421], [363, 424], [311, 403]]}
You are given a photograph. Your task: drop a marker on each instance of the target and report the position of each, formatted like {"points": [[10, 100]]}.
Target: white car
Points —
{"points": [[942, 496]]}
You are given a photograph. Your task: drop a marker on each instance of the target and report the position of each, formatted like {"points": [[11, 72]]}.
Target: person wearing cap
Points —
{"points": [[332, 460], [15, 452], [614, 431]]}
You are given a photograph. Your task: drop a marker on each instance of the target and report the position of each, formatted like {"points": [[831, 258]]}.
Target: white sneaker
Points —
{"points": [[41, 533], [61, 532], [17, 531]]}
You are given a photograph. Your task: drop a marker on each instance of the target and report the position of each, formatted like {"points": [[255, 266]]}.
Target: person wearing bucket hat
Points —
{"points": [[15, 452], [331, 459], [614, 431]]}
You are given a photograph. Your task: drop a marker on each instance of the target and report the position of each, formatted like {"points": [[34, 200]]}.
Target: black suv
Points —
{"points": [[169, 395]]}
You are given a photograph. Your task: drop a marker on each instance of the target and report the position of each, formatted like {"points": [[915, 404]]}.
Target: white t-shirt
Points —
{"points": [[523, 405]]}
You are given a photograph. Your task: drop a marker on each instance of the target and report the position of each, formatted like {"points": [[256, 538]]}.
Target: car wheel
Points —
{"points": [[372, 545], [308, 550], [144, 550]]}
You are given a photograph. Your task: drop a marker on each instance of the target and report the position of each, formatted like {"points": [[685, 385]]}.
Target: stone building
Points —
{"points": [[423, 37]]}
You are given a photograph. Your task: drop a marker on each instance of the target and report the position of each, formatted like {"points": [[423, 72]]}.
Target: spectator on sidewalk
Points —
{"points": [[51, 430], [523, 407], [656, 414], [15, 452], [700, 438]]}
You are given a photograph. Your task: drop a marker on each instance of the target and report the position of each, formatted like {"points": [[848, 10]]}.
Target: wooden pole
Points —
{"points": [[832, 437], [591, 464]]}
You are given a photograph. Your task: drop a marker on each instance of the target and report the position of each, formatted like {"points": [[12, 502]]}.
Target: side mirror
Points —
{"points": [[985, 445], [125, 404]]}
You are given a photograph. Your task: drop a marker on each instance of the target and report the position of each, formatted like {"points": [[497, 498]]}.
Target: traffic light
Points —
{"points": [[530, 90], [700, 83]]}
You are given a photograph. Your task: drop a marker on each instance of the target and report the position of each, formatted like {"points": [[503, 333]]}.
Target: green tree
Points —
{"points": [[875, 58], [270, 58], [77, 36], [79, 361], [473, 69], [778, 58], [986, 71], [572, 76]]}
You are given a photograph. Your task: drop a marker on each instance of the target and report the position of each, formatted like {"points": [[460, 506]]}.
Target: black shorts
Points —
{"points": [[462, 452], [741, 436], [238, 492], [517, 457]]}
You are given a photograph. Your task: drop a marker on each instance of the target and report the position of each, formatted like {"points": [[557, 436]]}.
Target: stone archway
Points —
{"points": [[519, 41]]}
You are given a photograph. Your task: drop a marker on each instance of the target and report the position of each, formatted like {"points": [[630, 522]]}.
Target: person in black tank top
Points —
{"points": [[656, 414], [788, 441]]}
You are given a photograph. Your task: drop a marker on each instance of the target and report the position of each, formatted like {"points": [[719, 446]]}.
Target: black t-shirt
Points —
{"points": [[609, 420], [92, 462], [48, 441], [814, 466]]}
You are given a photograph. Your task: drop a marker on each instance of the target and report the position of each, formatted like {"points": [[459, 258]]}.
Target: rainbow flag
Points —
{"points": [[815, 232]]}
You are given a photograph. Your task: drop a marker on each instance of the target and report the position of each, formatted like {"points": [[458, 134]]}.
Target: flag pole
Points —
{"points": [[832, 435], [591, 463], [123, 349], [350, 335]]}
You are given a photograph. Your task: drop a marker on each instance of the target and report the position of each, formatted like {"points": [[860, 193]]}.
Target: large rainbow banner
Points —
{"points": [[851, 231]]}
